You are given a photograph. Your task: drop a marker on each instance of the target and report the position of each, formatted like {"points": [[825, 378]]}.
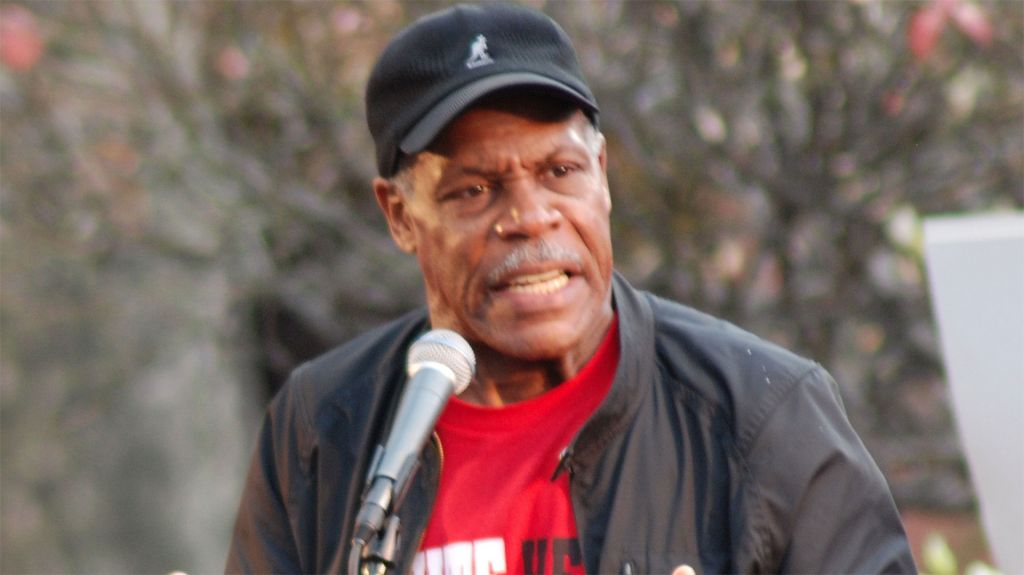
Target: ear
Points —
{"points": [[392, 203]]}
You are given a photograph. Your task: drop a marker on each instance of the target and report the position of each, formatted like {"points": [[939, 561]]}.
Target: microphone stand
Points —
{"points": [[375, 537]]}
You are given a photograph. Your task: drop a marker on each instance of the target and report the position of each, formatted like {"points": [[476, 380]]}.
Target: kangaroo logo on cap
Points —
{"points": [[478, 55]]}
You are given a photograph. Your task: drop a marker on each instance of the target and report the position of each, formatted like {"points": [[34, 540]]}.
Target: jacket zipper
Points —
{"points": [[563, 461]]}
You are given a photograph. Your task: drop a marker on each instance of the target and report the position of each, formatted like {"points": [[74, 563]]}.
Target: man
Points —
{"points": [[606, 430]]}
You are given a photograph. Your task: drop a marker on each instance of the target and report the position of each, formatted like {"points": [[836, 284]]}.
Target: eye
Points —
{"points": [[468, 199], [467, 193], [560, 170]]}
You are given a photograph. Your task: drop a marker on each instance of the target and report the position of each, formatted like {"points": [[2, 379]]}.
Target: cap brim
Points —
{"points": [[424, 132]]}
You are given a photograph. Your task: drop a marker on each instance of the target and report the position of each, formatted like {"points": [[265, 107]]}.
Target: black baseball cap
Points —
{"points": [[442, 63]]}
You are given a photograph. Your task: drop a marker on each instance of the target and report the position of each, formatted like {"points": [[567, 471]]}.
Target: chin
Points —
{"points": [[537, 343]]}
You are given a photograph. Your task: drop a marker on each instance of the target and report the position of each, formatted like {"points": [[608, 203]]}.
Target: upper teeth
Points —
{"points": [[539, 283]]}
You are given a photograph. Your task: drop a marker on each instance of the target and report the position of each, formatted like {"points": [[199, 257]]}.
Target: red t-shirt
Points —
{"points": [[498, 509]]}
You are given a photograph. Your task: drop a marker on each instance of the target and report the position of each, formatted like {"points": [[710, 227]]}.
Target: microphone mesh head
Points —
{"points": [[448, 348]]}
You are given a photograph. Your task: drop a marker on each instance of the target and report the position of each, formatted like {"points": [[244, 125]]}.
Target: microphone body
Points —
{"points": [[421, 405], [440, 364]]}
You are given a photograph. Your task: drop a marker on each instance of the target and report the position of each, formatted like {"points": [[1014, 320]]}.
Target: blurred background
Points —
{"points": [[186, 214]]}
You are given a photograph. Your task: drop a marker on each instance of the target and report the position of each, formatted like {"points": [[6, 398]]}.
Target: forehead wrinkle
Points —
{"points": [[481, 162]]}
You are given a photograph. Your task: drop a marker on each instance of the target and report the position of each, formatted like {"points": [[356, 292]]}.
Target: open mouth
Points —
{"points": [[540, 283], [535, 269]]}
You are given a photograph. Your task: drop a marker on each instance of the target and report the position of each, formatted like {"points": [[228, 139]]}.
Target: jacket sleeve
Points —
{"points": [[819, 502], [263, 540]]}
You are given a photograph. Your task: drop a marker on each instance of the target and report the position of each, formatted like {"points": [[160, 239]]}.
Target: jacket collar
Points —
{"points": [[632, 377]]}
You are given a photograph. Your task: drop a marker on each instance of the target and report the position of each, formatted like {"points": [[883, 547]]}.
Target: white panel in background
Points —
{"points": [[976, 274]]}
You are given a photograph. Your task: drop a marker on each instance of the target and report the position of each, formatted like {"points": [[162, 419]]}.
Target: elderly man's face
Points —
{"points": [[509, 218]]}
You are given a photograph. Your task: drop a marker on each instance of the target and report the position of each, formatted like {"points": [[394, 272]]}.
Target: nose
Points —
{"points": [[526, 214]]}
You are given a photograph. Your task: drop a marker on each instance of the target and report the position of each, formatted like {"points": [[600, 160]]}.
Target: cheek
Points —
{"points": [[606, 197], [448, 256], [598, 239]]}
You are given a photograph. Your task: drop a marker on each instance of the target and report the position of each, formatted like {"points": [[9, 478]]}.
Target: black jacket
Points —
{"points": [[713, 448]]}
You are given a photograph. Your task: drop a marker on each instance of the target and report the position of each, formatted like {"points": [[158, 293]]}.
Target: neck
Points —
{"points": [[502, 381]]}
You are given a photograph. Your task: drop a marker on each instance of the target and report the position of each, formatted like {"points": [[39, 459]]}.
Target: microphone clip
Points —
{"points": [[379, 558]]}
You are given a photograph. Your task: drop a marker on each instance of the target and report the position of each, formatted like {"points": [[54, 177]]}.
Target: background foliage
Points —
{"points": [[186, 213]]}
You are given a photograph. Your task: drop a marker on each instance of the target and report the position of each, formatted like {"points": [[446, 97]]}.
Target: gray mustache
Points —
{"points": [[533, 253]]}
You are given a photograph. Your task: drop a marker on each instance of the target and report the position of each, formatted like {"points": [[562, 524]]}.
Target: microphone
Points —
{"points": [[439, 364]]}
